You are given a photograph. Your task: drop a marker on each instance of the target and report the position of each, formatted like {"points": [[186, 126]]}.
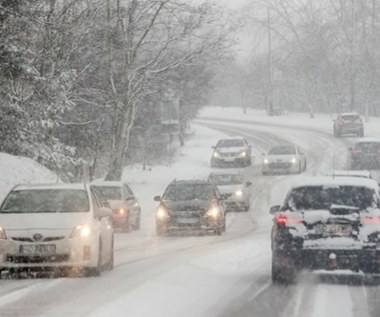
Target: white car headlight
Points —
{"points": [[213, 212], [293, 160], [216, 154], [239, 193], [266, 161], [243, 153], [82, 231], [162, 213], [2, 233]]}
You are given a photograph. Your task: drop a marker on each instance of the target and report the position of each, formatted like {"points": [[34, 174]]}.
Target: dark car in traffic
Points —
{"points": [[347, 124], [190, 205], [329, 224], [365, 154]]}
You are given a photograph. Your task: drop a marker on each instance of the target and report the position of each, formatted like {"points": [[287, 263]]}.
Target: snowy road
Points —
{"points": [[206, 275]]}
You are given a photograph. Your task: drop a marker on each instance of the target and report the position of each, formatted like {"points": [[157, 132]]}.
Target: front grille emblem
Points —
{"points": [[37, 237]]}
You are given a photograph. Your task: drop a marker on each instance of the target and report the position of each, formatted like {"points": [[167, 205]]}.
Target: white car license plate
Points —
{"points": [[188, 221], [335, 229], [37, 249]]}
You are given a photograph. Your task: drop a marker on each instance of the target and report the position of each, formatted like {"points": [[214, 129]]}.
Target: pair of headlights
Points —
{"points": [[241, 154], [293, 160], [213, 212]]}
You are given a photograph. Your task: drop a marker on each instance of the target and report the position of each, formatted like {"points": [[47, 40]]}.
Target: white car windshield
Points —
{"points": [[45, 200], [282, 150], [230, 143], [110, 192]]}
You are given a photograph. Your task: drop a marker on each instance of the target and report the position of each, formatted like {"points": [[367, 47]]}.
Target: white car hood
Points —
{"points": [[281, 158], [43, 221]]}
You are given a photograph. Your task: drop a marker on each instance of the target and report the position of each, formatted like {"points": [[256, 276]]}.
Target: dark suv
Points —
{"points": [[348, 123], [327, 224], [234, 151], [190, 205], [365, 154]]}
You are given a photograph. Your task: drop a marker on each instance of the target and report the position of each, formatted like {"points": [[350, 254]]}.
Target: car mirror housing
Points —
{"points": [[247, 184], [274, 209], [104, 212], [157, 198]]}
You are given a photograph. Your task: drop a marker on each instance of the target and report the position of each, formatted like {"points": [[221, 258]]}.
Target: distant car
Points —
{"points": [[233, 189], [55, 226], [190, 205], [365, 154], [348, 123], [231, 152], [284, 159], [125, 206], [350, 173], [326, 224]]}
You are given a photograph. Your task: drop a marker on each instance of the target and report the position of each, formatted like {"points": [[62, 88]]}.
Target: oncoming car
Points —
{"points": [[125, 206], [233, 189], [231, 152], [284, 159], [327, 224], [190, 205], [55, 226]]}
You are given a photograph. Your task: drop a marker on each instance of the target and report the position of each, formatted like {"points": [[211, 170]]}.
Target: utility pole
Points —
{"points": [[270, 72], [352, 70]]}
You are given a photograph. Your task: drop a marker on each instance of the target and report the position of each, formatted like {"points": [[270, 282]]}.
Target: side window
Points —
{"points": [[95, 201], [128, 190]]}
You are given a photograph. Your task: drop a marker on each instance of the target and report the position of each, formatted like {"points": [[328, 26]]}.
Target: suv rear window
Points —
{"points": [[350, 117], [368, 146], [321, 197], [189, 192]]}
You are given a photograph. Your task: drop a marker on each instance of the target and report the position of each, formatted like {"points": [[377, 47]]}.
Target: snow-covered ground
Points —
{"points": [[202, 275]]}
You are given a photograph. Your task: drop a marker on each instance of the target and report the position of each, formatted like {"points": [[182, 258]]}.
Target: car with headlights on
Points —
{"points": [[231, 152], [284, 158], [365, 154], [188, 206], [123, 202], [55, 227], [233, 188], [327, 224]]}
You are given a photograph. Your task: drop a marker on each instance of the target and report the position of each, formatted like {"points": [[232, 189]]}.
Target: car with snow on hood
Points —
{"points": [[284, 158], [326, 223], [231, 152], [123, 202], [54, 227], [189, 206], [233, 188]]}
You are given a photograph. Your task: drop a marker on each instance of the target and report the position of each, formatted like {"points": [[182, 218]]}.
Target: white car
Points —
{"points": [[55, 226], [284, 159], [231, 152], [233, 188]]}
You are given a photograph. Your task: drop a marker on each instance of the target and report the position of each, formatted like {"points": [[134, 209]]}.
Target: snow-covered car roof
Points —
{"points": [[50, 186], [348, 114], [350, 173], [368, 140], [337, 181], [225, 173]]}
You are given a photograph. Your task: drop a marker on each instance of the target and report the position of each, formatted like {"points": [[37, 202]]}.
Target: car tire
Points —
{"points": [[305, 166], [97, 270], [224, 226], [110, 264], [136, 225], [218, 231], [160, 230], [281, 274], [126, 226]]}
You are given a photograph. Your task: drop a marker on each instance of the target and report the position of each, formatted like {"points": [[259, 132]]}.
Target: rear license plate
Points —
{"points": [[37, 249], [334, 229], [188, 221]]}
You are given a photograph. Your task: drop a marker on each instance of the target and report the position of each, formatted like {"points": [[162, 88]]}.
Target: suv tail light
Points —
{"points": [[356, 151], [283, 220], [341, 122], [371, 220]]}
